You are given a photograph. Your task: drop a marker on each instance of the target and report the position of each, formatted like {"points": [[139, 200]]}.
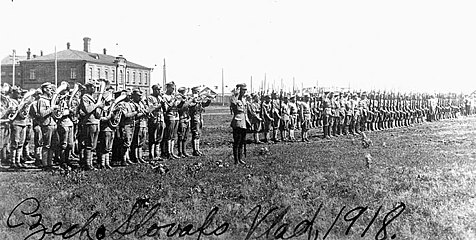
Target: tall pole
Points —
{"points": [[265, 88], [164, 78], [222, 89], [56, 68], [294, 90], [14, 62], [251, 84]]}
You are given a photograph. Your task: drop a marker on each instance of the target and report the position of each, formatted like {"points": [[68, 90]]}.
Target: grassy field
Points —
{"points": [[421, 184]]}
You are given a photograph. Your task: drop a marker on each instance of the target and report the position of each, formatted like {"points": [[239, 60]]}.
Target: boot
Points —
{"points": [[184, 153], [164, 151], [171, 149], [157, 152], [88, 155], [44, 158], [14, 163], [26, 154], [138, 153], [151, 151], [334, 130], [102, 162], [240, 154], [235, 153], [195, 147], [256, 137], [266, 137], [179, 149], [198, 146], [107, 163]]}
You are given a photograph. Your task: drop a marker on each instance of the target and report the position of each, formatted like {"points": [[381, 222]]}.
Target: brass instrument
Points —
{"points": [[115, 119], [24, 106], [58, 112], [102, 88]]}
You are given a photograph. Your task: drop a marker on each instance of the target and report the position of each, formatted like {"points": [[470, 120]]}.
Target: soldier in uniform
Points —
{"points": [[106, 131], [183, 124], [293, 115], [18, 130], [349, 112], [266, 112], [65, 132], [305, 115], [47, 123], [6, 109], [341, 125], [196, 108], [37, 135], [276, 117], [126, 129], [364, 109], [254, 115], [140, 125], [89, 121], [155, 124], [172, 104], [285, 118], [335, 107], [327, 114], [239, 122]]}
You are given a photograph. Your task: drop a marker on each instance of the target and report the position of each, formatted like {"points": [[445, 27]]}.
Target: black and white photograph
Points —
{"points": [[246, 120]]}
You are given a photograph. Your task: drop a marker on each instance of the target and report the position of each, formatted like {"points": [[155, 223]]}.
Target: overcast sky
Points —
{"points": [[401, 45]]}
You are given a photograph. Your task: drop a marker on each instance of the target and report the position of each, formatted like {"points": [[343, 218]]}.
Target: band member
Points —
{"points": [[89, 121], [196, 108], [155, 123], [65, 131], [276, 116], [364, 109], [28, 131], [172, 103], [47, 123], [183, 125], [239, 122], [37, 134], [6, 108], [106, 131], [18, 127], [126, 129], [140, 125]]}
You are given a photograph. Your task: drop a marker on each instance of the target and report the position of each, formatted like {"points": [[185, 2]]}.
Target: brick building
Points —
{"points": [[7, 69], [83, 66]]}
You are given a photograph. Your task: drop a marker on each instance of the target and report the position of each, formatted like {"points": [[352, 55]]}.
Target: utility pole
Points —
{"points": [[222, 89], [251, 85], [56, 68], [164, 78], [14, 62]]}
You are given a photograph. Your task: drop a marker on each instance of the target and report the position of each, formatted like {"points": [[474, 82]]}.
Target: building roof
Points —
{"points": [[75, 55], [8, 60]]}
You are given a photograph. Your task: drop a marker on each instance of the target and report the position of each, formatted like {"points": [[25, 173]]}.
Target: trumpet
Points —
{"points": [[102, 88]]}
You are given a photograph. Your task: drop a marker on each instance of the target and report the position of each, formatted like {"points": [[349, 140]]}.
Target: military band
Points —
{"points": [[107, 128]]}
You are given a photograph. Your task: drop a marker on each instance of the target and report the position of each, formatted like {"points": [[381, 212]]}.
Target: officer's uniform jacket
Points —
{"points": [[44, 111], [87, 108], [239, 108], [156, 108]]}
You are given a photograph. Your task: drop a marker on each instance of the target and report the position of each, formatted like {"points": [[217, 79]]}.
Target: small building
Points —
{"points": [[76, 66]]}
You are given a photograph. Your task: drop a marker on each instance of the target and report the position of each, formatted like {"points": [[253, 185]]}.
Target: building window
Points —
{"points": [[90, 73], [133, 77], [99, 73], [140, 78], [73, 73], [32, 74], [127, 78], [106, 76], [145, 79], [120, 77], [113, 76], [4, 73]]}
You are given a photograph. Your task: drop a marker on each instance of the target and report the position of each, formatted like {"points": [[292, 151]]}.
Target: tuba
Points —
{"points": [[115, 119], [58, 113], [24, 106]]}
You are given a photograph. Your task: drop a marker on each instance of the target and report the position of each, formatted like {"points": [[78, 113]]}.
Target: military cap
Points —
{"points": [[242, 86], [196, 89], [137, 91], [170, 84], [46, 84], [306, 94], [285, 97], [292, 97], [266, 96], [364, 94], [89, 84], [119, 93], [182, 89], [156, 86], [274, 95]]}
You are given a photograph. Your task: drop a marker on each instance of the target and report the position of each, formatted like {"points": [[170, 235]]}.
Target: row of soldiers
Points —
{"points": [[278, 116], [67, 124]]}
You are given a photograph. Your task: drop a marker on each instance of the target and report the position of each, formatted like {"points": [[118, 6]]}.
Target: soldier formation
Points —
{"points": [[278, 115], [92, 123]]}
